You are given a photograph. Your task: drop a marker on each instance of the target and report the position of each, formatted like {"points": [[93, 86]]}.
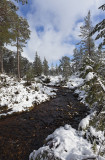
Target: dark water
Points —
{"points": [[20, 134]]}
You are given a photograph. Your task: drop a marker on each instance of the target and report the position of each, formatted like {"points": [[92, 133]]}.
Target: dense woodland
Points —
{"points": [[15, 30]]}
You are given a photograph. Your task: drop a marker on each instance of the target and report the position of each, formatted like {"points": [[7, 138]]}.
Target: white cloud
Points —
{"points": [[59, 19], [76, 31], [49, 45]]}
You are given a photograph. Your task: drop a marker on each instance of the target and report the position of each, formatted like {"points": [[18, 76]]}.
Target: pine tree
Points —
{"points": [[100, 28], [102, 7], [7, 14], [57, 70], [65, 67], [22, 33], [37, 65], [25, 66], [77, 58], [52, 70], [100, 63], [86, 52], [8, 61], [45, 67], [87, 41]]}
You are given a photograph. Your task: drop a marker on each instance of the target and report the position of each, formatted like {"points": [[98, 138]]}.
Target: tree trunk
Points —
{"points": [[18, 60], [1, 60], [89, 48]]}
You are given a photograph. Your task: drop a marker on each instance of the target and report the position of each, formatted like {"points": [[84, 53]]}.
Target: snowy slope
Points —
{"points": [[75, 81], [16, 97], [65, 144]]}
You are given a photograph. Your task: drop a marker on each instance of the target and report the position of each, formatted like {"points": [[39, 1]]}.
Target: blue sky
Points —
{"points": [[55, 25]]}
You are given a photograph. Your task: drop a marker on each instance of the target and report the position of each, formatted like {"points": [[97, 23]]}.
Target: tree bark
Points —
{"points": [[18, 60], [89, 47], [1, 60]]}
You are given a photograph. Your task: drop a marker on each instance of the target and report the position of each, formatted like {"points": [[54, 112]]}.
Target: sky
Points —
{"points": [[55, 26]]}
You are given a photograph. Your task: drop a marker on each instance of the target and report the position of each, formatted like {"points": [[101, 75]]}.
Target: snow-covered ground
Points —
{"points": [[68, 144], [75, 81], [17, 97], [55, 80], [65, 144]]}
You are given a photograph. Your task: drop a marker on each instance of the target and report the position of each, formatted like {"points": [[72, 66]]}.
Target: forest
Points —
{"points": [[51, 110]]}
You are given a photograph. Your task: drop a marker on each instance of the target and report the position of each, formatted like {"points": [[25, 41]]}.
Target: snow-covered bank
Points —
{"points": [[16, 97], [91, 92], [68, 144], [65, 144], [54, 80], [75, 81]]}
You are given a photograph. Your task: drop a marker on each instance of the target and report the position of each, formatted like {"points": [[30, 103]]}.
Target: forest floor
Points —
{"points": [[22, 133]]}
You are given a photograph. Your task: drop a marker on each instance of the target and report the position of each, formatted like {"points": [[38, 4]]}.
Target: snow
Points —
{"points": [[98, 134], [65, 143], [55, 80], [102, 85], [81, 95], [88, 67], [18, 97], [90, 76], [84, 122], [74, 81]]}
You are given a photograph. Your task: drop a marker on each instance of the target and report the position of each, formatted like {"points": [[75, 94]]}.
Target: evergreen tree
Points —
{"points": [[22, 33], [100, 28], [87, 41], [102, 7], [25, 65], [77, 58], [7, 14], [86, 48], [52, 70], [65, 67], [45, 67], [9, 20], [57, 70], [9, 61], [100, 63], [37, 65]]}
